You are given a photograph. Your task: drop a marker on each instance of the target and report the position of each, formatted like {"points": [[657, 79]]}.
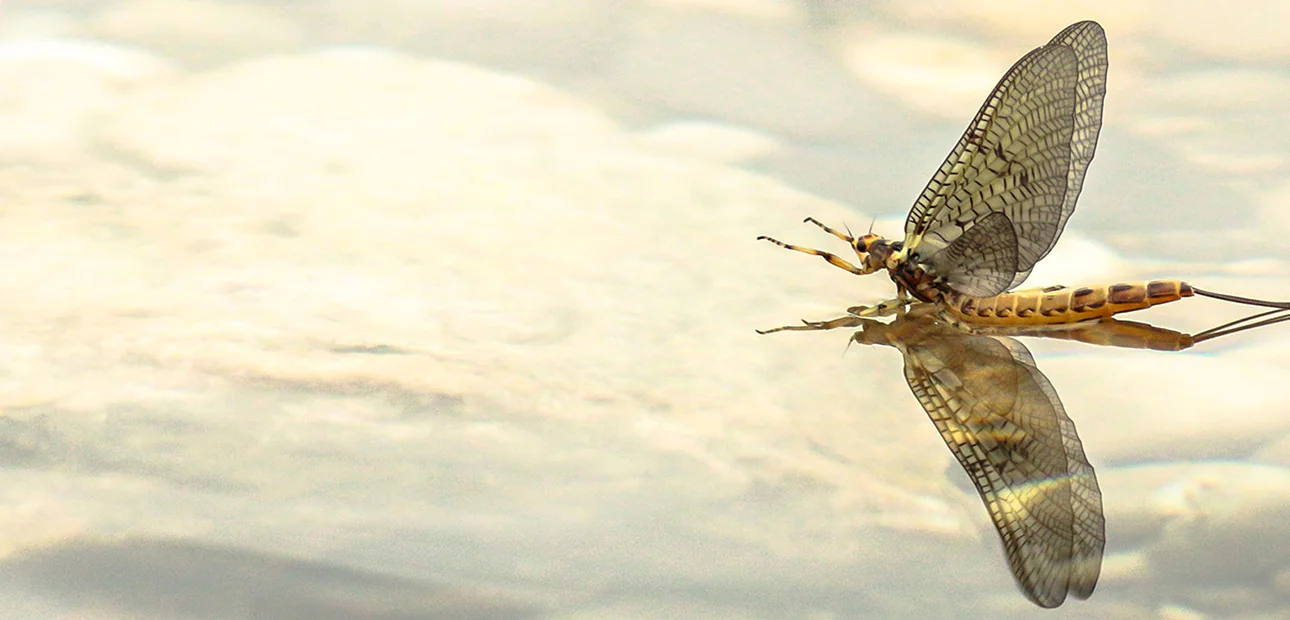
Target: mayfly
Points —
{"points": [[990, 212], [1001, 199]]}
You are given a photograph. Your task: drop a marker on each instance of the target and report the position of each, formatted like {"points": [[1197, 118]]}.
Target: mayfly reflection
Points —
{"points": [[1006, 426]]}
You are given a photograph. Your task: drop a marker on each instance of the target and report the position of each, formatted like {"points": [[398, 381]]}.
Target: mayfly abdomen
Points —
{"points": [[1066, 305]]}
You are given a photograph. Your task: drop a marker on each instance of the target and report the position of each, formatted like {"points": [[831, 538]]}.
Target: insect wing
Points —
{"points": [[1006, 426], [1089, 43], [1024, 155], [981, 261]]}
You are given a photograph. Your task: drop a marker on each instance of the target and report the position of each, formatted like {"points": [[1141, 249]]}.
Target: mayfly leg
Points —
{"points": [[845, 236], [856, 316], [833, 259], [850, 320], [886, 308]]}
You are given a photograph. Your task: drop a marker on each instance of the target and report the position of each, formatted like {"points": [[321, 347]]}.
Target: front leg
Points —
{"points": [[886, 308], [833, 259]]}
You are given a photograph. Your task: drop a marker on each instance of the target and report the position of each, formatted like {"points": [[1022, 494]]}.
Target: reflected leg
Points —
{"points": [[856, 316], [809, 326]]}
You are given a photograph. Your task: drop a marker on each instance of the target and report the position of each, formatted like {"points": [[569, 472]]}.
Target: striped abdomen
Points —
{"points": [[1063, 305]]}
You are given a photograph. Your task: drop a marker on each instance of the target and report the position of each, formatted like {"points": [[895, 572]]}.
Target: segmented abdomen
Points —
{"points": [[1064, 305]]}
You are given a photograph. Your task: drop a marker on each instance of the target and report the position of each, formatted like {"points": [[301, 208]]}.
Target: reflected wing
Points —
{"points": [[1024, 155], [1006, 426]]}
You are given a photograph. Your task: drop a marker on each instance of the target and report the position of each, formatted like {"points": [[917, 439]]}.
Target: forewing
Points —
{"points": [[1004, 423], [1024, 155], [1088, 41]]}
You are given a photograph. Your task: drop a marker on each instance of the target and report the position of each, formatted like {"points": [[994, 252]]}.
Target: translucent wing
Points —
{"points": [[1088, 40], [1024, 155], [1089, 44], [1004, 423], [982, 261]]}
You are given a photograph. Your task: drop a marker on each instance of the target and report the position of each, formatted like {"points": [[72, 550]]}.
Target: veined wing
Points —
{"points": [[1089, 43], [981, 261], [1006, 426], [1024, 155]]}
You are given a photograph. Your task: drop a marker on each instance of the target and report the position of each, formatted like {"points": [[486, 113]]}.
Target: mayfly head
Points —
{"points": [[864, 243], [873, 251]]}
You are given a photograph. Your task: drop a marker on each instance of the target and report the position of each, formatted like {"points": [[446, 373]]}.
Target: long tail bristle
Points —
{"points": [[1242, 300], [1278, 315]]}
